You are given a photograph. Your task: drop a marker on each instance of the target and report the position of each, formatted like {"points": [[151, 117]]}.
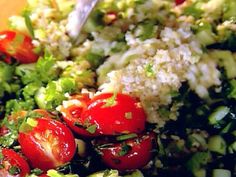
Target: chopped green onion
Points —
{"points": [[218, 114], [126, 137]]}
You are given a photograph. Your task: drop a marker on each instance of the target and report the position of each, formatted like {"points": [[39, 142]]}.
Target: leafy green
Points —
{"points": [[193, 10], [28, 23], [147, 30], [7, 82], [53, 94], [198, 161]]}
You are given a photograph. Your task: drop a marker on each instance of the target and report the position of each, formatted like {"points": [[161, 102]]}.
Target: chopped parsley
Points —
{"points": [[125, 148], [14, 170], [128, 115], [126, 137], [92, 128], [110, 101], [149, 70]]}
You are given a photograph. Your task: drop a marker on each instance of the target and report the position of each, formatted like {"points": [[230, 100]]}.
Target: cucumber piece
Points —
{"points": [[232, 148], [40, 98], [221, 173], [200, 173], [225, 59], [217, 144], [107, 173], [218, 114], [205, 37], [229, 10], [135, 173]]}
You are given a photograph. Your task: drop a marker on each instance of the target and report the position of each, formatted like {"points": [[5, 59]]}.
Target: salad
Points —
{"points": [[147, 89]]}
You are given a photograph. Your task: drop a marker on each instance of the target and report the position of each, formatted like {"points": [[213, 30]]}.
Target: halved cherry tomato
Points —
{"points": [[128, 155], [18, 46], [47, 144], [114, 114], [71, 113], [13, 164], [178, 2], [16, 117]]}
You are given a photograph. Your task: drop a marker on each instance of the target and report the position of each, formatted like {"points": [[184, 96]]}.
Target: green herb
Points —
{"points": [[28, 23], [126, 137], [198, 161], [110, 101], [149, 70], [37, 171], [125, 148], [1, 166], [193, 10], [92, 128], [128, 115], [1, 156], [14, 170]]}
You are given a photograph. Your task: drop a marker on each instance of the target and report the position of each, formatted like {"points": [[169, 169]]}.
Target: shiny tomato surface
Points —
{"points": [[72, 114], [14, 165], [48, 144], [130, 154], [18, 46], [114, 114]]}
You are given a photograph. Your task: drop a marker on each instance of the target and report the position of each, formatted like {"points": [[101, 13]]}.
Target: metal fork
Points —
{"points": [[79, 16]]}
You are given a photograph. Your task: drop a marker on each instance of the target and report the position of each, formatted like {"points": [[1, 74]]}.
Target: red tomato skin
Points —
{"points": [[71, 120], [48, 145], [14, 159], [139, 155], [22, 51], [178, 2], [72, 115], [125, 116]]}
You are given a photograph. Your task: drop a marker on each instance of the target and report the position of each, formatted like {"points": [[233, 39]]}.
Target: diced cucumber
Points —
{"points": [[40, 98], [225, 59], [205, 37], [229, 10], [221, 173], [135, 173], [218, 114], [200, 173], [217, 144], [232, 148], [108, 173]]}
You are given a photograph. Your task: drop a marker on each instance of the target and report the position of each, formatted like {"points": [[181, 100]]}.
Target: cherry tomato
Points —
{"points": [[129, 154], [16, 117], [178, 2], [114, 114], [71, 114], [13, 164], [47, 144], [110, 18], [18, 46]]}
